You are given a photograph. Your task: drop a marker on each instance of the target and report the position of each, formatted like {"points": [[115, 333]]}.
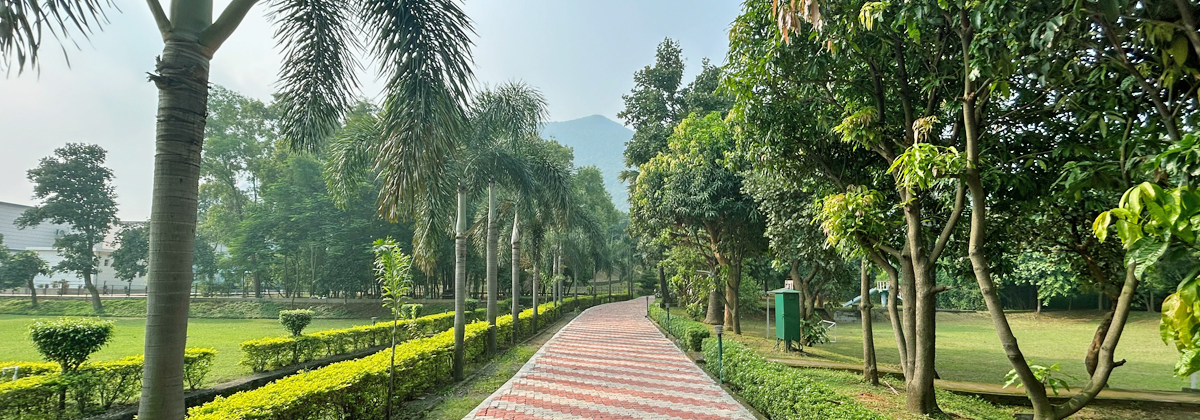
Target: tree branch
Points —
{"points": [[219, 31], [960, 200], [888, 249], [160, 17]]}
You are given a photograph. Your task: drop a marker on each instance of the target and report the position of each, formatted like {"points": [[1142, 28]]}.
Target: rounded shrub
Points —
{"points": [[411, 310], [69, 341], [295, 320]]}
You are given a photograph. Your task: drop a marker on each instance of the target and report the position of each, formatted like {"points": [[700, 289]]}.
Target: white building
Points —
{"points": [[41, 238]]}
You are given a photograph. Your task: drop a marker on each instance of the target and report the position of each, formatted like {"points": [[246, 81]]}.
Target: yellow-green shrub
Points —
{"points": [[94, 386], [358, 388], [277, 352], [27, 369]]}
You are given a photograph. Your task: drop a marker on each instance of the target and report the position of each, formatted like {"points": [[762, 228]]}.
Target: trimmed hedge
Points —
{"points": [[272, 353], [683, 328], [782, 392], [27, 369], [96, 386], [358, 388]]}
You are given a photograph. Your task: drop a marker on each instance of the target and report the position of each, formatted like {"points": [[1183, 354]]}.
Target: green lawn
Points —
{"points": [[225, 335], [968, 349]]}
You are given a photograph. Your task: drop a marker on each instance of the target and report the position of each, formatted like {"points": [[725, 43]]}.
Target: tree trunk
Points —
{"points": [[182, 81], [716, 310], [493, 284], [1092, 358], [919, 388], [870, 370], [516, 279], [892, 309], [33, 292], [460, 282], [97, 307], [533, 286], [909, 310], [732, 315]]}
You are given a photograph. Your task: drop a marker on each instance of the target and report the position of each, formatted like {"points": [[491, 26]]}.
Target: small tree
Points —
{"points": [[70, 341], [295, 320], [393, 269], [20, 270]]}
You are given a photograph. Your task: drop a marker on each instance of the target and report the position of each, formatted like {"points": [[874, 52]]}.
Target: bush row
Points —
{"points": [[96, 386], [277, 352], [782, 392], [692, 333], [358, 388], [26, 369]]}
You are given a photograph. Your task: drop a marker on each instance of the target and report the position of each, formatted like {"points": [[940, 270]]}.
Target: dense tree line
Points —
{"points": [[963, 150]]}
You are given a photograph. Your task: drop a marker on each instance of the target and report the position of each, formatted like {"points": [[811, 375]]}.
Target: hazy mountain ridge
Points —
{"points": [[597, 141]]}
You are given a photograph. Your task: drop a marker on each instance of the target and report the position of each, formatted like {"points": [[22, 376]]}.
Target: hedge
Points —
{"points": [[27, 369], [782, 392], [96, 386], [278, 352], [358, 388], [683, 328]]}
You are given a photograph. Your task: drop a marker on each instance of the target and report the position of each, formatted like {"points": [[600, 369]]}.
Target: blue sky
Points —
{"points": [[581, 54]]}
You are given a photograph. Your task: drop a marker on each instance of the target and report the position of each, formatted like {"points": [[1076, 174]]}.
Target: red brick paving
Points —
{"points": [[610, 363]]}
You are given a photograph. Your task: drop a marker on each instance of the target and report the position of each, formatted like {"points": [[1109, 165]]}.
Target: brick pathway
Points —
{"points": [[610, 363]]}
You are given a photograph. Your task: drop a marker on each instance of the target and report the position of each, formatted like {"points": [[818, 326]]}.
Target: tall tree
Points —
{"points": [[129, 260], [423, 51], [688, 195], [75, 189]]}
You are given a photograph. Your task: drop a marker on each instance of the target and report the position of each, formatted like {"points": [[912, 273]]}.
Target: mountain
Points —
{"points": [[597, 141]]}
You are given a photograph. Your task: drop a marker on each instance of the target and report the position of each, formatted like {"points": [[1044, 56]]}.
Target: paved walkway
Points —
{"points": [[610, 363]]}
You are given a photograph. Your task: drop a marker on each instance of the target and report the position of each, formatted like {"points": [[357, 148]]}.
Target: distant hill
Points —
{"points": [[598, 141]]}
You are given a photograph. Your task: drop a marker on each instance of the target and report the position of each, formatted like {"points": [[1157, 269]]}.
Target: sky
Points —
{"points": [[580, 54]]}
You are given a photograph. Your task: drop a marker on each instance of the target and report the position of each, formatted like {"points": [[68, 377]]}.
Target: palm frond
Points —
{"points": [[351, 158], [317, 79], [23, 24], [424, 48]]}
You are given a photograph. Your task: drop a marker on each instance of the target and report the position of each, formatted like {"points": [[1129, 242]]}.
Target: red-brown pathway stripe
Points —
{"points": [[610, 363]]}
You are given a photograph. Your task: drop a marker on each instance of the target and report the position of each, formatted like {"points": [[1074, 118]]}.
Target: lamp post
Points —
{"points": [[720, 328], [668, 305]]}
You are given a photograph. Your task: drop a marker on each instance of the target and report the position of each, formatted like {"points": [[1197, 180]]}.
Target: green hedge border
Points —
{"points": [[272, 353], [358, 388], [95, 387], [691, 333], [782, 392]]}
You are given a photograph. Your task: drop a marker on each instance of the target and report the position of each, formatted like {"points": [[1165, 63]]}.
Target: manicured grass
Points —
{"points": [[210, 308], [224, 335], [968, 349]]}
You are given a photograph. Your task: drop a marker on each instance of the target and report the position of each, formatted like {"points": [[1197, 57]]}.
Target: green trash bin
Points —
{"points": [[787, 318]]}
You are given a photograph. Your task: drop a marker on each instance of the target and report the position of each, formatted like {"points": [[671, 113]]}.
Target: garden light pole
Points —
{"points": [[720, 329]]}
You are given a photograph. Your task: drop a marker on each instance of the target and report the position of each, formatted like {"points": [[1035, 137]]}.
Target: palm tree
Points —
{"points": [[421, 46], [498, 137]]}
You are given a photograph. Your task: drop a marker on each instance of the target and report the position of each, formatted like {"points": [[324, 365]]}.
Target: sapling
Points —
{"points": [[393, 268]]}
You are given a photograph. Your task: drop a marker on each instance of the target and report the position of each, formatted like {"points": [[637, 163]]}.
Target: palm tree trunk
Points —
{"points": [[182, 81], [493, 285], [460, 282], [516, 278], [533, 286]]}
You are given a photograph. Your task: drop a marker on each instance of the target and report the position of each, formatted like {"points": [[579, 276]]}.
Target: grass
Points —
{"points": [[205, 308], [460, 404], [969, 351], [129, 337]]}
